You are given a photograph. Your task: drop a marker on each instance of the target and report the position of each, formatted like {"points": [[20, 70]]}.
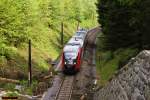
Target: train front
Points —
{"points": [[71, 59]]}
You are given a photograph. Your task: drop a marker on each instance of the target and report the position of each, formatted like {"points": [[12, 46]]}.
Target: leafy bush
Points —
{"points": [[12, 94], [125, 56], [7, 51], [113, 61], [10, 52], [108, 56], [29, 90], [3, 60], [8, 86], [125, 23]]}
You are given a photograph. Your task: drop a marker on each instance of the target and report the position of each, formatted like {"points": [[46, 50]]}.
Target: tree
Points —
{"points": [[124, 23]]}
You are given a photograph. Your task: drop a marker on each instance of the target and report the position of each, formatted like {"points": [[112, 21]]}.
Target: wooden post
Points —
{"points": [[29, 65], [99, 59], [62, 34], [78, 25]]}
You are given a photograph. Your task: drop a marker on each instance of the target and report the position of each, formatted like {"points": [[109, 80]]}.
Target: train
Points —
{"points": [[73, 52]]}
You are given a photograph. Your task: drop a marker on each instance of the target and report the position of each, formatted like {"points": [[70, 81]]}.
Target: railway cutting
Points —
{"points": [[78, 86]]}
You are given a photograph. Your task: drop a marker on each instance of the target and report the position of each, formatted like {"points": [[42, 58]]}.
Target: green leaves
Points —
{"points": [[124, 23], [12, 26], [40, 21]]}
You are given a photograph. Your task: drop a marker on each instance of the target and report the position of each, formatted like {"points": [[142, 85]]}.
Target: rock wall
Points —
{"points": [[131, 83]]}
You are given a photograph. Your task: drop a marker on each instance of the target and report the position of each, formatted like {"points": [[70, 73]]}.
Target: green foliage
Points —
{"points": [[109, 62], [107, 56], [10, 52], [40, 21], [12, 22], [26, 89], [125, 56], [125, 23], [12, 94], [8, 86]]}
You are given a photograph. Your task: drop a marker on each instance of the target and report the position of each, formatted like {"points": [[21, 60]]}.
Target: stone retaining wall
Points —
{"points": [[131, 83]]}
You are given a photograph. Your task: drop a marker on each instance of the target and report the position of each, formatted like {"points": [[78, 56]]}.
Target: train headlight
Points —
{"points": [[65, 62]]}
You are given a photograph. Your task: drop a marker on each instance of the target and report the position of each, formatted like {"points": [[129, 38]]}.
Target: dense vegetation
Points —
{"points": [[109, 62], [125, 31], [40, 21], [125, 23]]}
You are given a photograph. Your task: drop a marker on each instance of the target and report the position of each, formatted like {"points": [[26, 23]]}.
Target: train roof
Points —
{"points": [[80, 33], [82, 29], [78, 37], [71, 48], [75, 41]]}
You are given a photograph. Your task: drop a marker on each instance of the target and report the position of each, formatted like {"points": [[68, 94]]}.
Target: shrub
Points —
{"points": [[106, 56], [125, 56], [9, 86], [9, 52], [11, 94]]}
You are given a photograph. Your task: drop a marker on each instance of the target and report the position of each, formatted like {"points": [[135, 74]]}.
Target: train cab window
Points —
{"points": [[74, 44], [78, 38], [70, 55], [78, 33]]}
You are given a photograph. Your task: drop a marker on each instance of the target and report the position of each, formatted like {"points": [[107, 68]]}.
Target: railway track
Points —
{"points": [[83, 86], [66, 87], [65, 90]]}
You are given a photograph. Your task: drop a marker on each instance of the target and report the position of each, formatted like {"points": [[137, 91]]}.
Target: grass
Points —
{"points": [[25, 89], [106, 71], [110, 62], [8, 86]]}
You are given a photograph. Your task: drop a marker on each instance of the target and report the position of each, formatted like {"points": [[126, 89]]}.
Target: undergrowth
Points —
{"points": [[109, 62]]}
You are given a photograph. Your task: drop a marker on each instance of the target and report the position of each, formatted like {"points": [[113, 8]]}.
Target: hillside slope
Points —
{"points": [[132, 82], [39, 21]]}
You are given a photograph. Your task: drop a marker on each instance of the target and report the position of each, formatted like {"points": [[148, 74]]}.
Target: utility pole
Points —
{"points": [[78, 23], [29, 65], [62, 34]]}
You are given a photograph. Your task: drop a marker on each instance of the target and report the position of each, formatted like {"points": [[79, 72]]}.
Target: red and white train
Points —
{"points": [[73, 52]]}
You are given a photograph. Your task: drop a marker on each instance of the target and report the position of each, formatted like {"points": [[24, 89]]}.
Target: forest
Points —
{"points": [[38, 21], [125, 23], [125, 32]]}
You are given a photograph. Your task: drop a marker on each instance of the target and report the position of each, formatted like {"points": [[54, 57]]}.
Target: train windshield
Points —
{"points": [[71, 52], [79, 33], [78, 37], [74, 44], [70, 55]]}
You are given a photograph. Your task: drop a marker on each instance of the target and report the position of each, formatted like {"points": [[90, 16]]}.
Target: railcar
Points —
{"points": [[75, 40], [71, 58], [80, 34], [73, 52]]}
